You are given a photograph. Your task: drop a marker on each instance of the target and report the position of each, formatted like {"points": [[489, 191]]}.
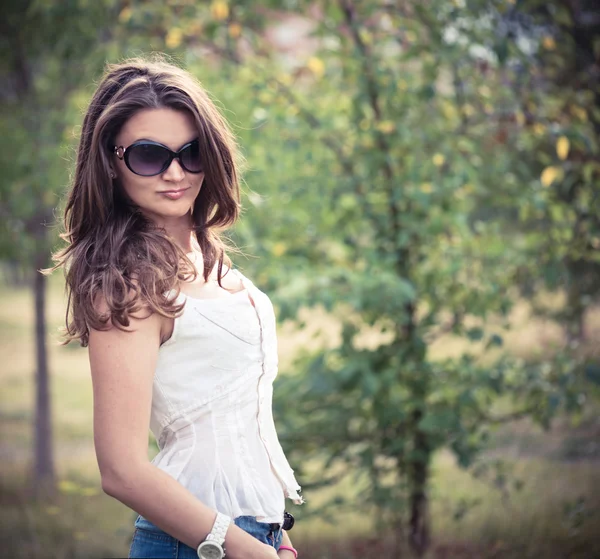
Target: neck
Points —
{"points": [[180, 230]]}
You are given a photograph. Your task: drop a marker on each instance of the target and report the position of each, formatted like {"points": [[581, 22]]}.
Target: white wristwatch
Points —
{"points": [[212, 546]]}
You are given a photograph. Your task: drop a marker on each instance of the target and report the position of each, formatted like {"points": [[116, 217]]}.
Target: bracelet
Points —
{"points": [[289, 549]]}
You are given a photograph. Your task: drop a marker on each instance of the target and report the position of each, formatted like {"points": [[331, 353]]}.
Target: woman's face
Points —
{"points": [[168, 197]]}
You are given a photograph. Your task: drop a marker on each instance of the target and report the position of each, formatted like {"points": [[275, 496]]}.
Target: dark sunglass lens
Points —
{"points": [[147, 159], [190, 158]]}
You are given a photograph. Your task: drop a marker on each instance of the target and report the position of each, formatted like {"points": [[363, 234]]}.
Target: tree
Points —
{"points": [[50, 50]]}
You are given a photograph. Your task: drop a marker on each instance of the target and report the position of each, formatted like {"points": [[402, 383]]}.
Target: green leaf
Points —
{"points": [[475, 334], [494, 341]]}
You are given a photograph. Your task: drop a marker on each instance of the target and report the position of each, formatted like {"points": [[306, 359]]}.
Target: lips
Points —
{"points": [[174, 194], [174, 191]]}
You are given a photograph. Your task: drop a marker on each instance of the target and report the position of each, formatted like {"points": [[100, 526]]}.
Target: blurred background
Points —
{"points": [[421, 202]]}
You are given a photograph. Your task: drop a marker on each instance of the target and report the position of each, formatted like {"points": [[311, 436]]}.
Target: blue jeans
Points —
{"points": [[150, 542]]}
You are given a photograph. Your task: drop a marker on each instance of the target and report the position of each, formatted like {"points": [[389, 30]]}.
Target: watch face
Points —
{"points": [[210, 550]]}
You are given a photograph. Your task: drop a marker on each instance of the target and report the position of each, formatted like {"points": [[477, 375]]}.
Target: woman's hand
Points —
{"points": [[246, 546]]}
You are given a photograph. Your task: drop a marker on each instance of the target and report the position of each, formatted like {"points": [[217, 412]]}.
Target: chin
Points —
{"points": [[175, 212]]}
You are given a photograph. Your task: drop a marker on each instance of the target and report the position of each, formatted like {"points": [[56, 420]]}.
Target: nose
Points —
{"points": [[174, 172]]}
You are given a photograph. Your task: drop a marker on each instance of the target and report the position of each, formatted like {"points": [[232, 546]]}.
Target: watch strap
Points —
{"points": [[219, 529]]}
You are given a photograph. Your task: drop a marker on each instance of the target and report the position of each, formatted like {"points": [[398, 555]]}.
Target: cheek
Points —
{"points": [[197, 180], [139, 191]]}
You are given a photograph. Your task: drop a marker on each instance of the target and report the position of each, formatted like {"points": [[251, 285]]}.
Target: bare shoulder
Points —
{"points": [[115, 340], [142, 318], [122, 362]]}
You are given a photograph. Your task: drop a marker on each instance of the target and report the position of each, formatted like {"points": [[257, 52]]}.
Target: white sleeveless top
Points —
{"points": [[212, 406]]}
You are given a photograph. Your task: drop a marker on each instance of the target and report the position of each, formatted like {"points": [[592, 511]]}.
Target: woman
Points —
{"points": [[178, 340]]}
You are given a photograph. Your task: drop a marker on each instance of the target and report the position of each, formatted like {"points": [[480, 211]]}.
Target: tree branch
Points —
{"points": [[348, 9]]}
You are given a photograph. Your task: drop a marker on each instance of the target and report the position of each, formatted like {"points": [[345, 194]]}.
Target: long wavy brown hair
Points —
{"points": [[116, 253]]}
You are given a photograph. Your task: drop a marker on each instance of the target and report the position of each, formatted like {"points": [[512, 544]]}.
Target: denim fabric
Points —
{"points": [[150, 542]]}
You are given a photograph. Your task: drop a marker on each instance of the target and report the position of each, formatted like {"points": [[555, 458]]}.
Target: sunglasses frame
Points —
{"points": [[123, 154]]}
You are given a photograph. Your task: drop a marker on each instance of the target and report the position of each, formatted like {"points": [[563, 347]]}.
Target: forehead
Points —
{"points": [[167, 126]]}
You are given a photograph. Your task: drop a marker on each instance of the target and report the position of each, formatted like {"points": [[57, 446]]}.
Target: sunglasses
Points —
{"points": [[147, 158]]}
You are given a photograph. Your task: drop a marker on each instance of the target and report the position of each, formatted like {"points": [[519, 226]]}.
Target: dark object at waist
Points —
{"points": [[288, 523]]}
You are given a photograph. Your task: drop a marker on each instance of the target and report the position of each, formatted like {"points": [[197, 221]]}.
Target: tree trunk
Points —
{"points": [[419, 504], [44, 483]]}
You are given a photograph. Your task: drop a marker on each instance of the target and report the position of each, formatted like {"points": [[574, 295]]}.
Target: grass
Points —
{"points": [[551, 513]]}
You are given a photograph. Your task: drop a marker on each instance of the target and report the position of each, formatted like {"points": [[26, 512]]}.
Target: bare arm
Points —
{"points": [[123, 365]]}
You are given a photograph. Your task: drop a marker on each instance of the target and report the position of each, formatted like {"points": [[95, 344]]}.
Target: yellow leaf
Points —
{"points": [[549, 43], [468, 110], [579, 112], [89, 491], [265, 97], [438, 159], [174, 38], [246, 73], [426, 187], [316, 66], [402, 85], [219, 10], [484, 91], [279, 249], [194, 28], [386, 126], [562, 147], [539, 129], [285, 79], [549, 175], [449, 110], [465, 190], [125, 15], [235, 30], [520, 118], [365, 35]]}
